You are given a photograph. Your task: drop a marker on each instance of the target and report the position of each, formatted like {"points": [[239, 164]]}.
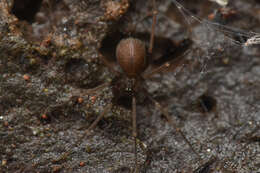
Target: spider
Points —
{"points": [[134, 58]]}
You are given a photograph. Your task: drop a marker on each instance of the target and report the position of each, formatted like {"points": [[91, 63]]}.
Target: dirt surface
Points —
{"points": [[49, 59]]}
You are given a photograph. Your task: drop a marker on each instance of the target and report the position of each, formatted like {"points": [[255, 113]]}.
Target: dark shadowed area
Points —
{"points": [[50, 58]]}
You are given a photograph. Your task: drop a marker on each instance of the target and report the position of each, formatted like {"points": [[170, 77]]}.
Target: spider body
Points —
{"points": [[129, 84], [131, 56]]}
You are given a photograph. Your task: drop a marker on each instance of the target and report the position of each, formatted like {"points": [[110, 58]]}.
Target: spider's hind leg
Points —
{"points": [[171, 122]]}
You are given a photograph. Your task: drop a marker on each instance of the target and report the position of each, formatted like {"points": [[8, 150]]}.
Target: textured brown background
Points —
{"points": [[56, 48]]}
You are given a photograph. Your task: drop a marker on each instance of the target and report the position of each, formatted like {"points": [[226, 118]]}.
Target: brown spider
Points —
{"points": [[134, 59]]}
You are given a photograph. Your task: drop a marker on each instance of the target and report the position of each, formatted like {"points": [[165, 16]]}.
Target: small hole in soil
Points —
{"points": [[164, 48], [26, 9], [108, 45], [207, 103], [125, 101]]}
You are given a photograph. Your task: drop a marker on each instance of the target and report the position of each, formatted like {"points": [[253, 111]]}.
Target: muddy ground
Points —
{"points": [[49, 59]]}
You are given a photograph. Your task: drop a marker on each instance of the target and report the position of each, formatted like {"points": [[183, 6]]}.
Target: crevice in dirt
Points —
{"points": [[26, 9]]}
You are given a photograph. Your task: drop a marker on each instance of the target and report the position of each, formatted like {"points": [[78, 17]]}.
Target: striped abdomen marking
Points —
{"points": [[131, 56]]}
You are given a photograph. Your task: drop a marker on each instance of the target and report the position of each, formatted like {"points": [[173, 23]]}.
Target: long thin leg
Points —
{"points": [[134, 126], [150, 50], [141, 20], [171, 122], [98, 88], [153, 13], [83, 92], [112, 69], [93, 125], [173, 64]]}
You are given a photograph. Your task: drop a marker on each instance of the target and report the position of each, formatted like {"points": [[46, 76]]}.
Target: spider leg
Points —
{"points": [[96, 89], [150, 50], [109, 65], [153, 13], [140, 21], [171, 122], [134, 126], [92, 126], [172, 63]]}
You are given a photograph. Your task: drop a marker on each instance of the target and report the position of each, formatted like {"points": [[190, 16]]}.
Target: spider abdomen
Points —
{"points": [[131, 56]]}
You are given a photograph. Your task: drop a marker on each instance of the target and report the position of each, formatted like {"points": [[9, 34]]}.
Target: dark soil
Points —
{"points": [[49, 58]]}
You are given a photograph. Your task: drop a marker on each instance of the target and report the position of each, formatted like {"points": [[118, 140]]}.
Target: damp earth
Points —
{"points": [[49, 57]]}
